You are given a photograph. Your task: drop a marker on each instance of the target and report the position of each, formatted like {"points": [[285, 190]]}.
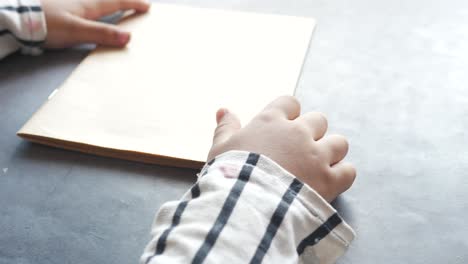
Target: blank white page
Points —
{"points": [[158, 96]]}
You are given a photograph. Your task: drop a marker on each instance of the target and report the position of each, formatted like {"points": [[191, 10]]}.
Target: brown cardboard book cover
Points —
{"points": [[155, 100]]}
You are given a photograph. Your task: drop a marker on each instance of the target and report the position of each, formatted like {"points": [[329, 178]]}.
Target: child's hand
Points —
{"points": [[71, 22], [297, 143]]}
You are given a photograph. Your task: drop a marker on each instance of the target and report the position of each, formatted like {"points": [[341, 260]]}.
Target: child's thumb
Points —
{"points": [[228, 124], [87, 31]]}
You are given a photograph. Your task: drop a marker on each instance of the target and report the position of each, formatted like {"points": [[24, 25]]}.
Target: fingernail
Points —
{"points": [[220, 114], [123, 38]]}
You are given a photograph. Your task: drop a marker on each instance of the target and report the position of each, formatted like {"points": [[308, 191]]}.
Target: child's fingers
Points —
{"points": [[316, 122], [107, 7], [228, 124], [87, 31], [345, 174], [335, 146], [287, 106]]}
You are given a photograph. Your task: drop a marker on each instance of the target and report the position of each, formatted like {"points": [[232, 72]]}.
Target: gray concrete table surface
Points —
{"points": [[390, 75]]}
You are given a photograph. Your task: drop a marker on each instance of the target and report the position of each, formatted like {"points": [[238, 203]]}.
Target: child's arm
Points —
{"points": [[270, 208], [30, 26]]}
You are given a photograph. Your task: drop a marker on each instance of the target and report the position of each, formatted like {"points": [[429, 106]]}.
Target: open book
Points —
{"points": [[155, 101]]}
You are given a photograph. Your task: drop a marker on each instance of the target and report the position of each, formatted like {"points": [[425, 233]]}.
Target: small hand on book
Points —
{"points": [[296, 142], [73, 21]]}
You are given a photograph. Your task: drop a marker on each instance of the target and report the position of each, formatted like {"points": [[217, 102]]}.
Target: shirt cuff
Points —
{"points": [[24, 27], [33, 27], [330, 236]]}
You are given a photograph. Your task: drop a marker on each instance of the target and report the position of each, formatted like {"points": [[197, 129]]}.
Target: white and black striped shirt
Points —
{"points": [[22, 26], [245, 208]]}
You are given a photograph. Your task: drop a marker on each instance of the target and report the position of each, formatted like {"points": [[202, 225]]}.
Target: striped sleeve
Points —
{"points": [[22, 27], [245, 208]]}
